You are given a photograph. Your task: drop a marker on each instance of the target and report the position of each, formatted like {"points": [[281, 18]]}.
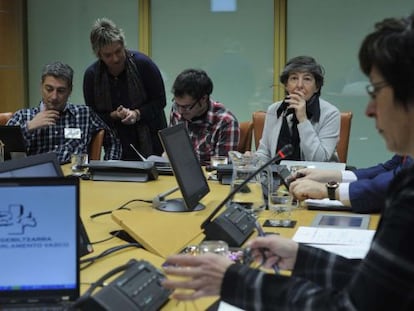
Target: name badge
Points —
{"points": [[72, 133]]}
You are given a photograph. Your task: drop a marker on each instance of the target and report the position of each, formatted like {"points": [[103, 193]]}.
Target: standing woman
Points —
{"points": [[302, 119], [126, 89]]}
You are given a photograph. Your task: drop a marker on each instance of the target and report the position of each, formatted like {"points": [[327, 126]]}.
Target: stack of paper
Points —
{"points": [[350, 243]]}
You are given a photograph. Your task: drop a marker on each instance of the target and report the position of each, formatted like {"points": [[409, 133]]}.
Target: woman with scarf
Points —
{"points": [[126, 89], [302, 119]]}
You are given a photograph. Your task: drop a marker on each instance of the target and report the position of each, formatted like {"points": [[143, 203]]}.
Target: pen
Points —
{"points": [[260, 232]]}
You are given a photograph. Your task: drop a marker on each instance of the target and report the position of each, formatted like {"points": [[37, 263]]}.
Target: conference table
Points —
{"points": [[160, 233]]}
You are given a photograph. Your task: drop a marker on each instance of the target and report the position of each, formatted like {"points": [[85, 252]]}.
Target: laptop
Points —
{"points": [[13, 140], [315, 164], [43, 165], [39, 242]]}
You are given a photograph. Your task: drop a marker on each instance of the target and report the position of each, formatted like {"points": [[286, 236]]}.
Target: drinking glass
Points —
{"points": [[280, 203], [79, 163], [250, 196]]}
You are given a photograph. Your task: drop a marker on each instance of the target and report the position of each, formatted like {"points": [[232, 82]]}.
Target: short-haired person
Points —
{"points": [[126, 89], [213, 129], [59, 126], [302, 119], [363, 190], [384, 279]]}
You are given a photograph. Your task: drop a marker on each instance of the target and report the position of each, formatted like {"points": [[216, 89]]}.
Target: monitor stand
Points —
{"points": [[177, 205]]}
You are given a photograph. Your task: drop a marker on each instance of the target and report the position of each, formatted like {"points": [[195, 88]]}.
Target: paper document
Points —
{"points": [[350, 243], [323, 202]]}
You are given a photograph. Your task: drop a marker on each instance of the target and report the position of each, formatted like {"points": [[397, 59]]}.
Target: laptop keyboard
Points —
{"points": [[35, 308]]}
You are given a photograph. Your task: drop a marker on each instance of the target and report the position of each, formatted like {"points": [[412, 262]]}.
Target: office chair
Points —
{"points": [[95, 146], [246, 133], [344, 132], [258, 124], [4, 117]]}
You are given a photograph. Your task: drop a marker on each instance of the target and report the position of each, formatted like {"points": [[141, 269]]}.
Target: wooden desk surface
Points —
{"points": [[161, 233]]}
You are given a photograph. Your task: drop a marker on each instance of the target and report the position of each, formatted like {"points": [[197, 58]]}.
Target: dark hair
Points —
{"points": [[193, 82], [58, 70], [390, 49], [303, 64]]}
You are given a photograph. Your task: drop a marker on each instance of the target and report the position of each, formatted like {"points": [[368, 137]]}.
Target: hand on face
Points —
{"points": [[297, 102], [43, 119], [55, 93]]}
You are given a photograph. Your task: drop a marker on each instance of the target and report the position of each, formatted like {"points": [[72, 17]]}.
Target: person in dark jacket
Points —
{"points": [[126, 89]]}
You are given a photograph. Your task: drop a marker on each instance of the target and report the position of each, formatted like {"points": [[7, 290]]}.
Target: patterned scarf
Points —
{"points": [[136, 90], [291, 136]]}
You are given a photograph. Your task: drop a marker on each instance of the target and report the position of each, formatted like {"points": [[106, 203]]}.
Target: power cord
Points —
{"points": [[90, 260], [123, 206]]}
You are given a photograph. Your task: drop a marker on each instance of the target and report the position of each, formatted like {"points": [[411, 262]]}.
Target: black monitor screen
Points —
{"points": [[186, 167], [12, 138], [40, 165]]}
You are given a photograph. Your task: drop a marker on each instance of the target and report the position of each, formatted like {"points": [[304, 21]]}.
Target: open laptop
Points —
{"points": [[13, 140], [39, 242]]}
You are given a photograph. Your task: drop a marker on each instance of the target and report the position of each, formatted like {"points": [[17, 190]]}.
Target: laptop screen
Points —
{"points": [[39, 238], [14, 144]]}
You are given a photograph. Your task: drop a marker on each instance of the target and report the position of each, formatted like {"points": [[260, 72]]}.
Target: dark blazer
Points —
{"points": [[367, 194]]}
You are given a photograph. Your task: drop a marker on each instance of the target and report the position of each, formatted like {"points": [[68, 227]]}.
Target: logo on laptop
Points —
{"points": [[16, 219]]}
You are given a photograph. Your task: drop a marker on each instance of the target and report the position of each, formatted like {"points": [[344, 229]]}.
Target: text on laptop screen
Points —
{"points": [[38, 236]]}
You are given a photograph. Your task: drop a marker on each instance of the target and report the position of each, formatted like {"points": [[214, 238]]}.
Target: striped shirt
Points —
{"points": [[383, 280], [52, 138]]}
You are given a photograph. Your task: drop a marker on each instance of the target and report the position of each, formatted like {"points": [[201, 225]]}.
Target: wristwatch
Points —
{"points": [[331, 188]]}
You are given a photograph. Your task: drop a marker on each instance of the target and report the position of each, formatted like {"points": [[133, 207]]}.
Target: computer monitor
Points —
{"points": [[14, 144], [38, 166], [187, 170]]}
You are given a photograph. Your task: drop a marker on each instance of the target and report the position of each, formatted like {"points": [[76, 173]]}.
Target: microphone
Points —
{"points": [[138, 153], [234, 225]]}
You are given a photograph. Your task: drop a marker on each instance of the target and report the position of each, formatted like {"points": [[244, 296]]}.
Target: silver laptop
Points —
{"points": [[39, 243], [314, 164]]}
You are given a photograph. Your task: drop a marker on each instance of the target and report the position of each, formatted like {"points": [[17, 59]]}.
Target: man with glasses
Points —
{"points": [[213, 129]]}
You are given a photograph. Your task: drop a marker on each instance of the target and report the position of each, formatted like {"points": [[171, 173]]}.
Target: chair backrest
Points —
{"points": [[344, 133], [95, 146], [246, 133], [258, 124], [4, 117]]}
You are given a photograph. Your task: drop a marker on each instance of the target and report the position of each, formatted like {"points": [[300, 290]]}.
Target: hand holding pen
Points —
{"points": [[274, 251]]}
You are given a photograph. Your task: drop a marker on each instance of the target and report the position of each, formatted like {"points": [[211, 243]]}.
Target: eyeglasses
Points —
{"points": [[185, 108], [374, 88]]}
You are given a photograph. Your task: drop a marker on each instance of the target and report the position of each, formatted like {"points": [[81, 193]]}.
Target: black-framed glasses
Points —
{"points": [[374, 88], [185, 108]]}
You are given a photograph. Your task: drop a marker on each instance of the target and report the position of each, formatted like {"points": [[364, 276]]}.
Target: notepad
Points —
{"points": [[350, 243]]}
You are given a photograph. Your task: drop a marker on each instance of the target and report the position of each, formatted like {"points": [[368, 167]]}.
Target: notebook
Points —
{"points": [[13, 140], [39, 242], [43, 165]]}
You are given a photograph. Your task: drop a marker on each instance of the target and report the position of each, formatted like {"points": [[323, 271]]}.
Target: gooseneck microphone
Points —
{"points": [[235, 224]]}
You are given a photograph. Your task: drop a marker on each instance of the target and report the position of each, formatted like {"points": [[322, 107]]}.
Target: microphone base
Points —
{"points": [[233, 226], [177, 205]]}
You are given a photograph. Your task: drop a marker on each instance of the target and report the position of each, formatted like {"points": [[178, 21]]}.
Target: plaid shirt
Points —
{"points": [[52, 138], [383, 280], [215, 133]]}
